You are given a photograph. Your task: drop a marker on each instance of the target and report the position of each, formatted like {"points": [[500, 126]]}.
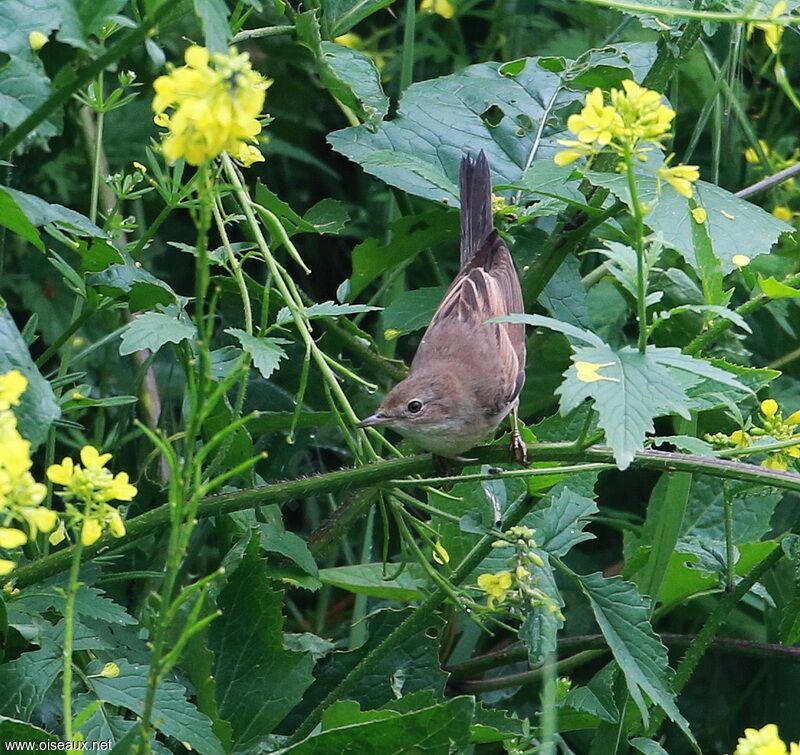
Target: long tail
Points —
{"points": [[476, 204]]}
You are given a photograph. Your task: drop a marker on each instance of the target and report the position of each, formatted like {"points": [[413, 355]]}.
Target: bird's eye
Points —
{"points": [[414, 406]]}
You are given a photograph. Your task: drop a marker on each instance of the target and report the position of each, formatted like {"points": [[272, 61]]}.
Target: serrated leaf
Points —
{"points": [[12, 730], [151, 330], [23, 88], [564, 295], [324, 309], [327, 216], [257, 681], [173, 714], [647, 746], [25, 681], [132, 282], [734, 226], [38, 408], [265, 352], [623, 616], [597, 697], [371, 579]]}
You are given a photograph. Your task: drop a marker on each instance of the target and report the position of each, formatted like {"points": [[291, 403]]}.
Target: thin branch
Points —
{"points": [[769, 181]]}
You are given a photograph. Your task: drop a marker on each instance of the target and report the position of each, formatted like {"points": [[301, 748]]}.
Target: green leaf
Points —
{"points": [[564, 295], [213, 15], [12, 730], [173, 714], [130, 281], [571, 331], [493, 725], [349, 75], [339, 16], [38, 408], [622, 614], [12, 217], [559, 526], [327, 216], [734, 226], [257, 681], [486, 106], [373, 580], [777, 290], [324, 309], [42, 213], [444, 727], [289, 545], [266, 352], [23, 88], [597, 697], [411, 310], [647, 746], [410, 235], [25, 681], [151, 330]]}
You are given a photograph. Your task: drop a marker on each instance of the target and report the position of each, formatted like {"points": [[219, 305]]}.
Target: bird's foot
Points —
{"points": [[517, 448]]}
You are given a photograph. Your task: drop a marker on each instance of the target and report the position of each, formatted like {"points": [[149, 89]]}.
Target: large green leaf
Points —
{"points": [[349, 75], [173, 714], [378, 580], [12, 217], [12, 730], [40, 213], [442, 727], [411, 310], [213, 15], [734, 225], [503, 109], [25, 681], [257, 680], [38, 408], [623, 616]]}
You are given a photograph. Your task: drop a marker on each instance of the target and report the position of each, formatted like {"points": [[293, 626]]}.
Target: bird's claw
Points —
{"points": [[517, 448]]}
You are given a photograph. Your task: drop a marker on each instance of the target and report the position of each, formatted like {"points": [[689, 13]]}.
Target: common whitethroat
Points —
{"points": [[467, 373]]}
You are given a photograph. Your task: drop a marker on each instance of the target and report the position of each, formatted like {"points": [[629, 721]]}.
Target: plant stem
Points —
{"points": [[727, 500], [380, 473], [638, 244], [409, 29], [69, 634]]}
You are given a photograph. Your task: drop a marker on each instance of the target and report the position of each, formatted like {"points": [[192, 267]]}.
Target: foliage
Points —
{"points": [[223, 227]]}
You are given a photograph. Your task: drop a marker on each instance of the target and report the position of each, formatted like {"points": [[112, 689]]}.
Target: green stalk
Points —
{"points": [[69, 634], [409, 32], [727, 500], [638, 244]]}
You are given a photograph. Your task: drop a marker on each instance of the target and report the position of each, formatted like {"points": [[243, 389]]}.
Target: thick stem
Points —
{"points": [[69, 634]]}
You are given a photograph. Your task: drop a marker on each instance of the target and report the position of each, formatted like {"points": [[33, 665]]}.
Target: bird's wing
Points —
{"points": [[486, 287]]}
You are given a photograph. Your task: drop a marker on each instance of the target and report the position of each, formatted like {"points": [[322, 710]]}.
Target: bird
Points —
{"points": [[467, 373]]}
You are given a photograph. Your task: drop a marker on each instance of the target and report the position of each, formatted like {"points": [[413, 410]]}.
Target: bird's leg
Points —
{"points": [[517, 449]]}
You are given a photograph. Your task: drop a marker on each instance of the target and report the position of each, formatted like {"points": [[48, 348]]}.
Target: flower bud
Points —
{"points": [[769, 408], [37, 40]]}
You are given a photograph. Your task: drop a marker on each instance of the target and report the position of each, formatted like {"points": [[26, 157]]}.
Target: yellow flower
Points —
{"points": [[775, 461], [214, 103], [595, 122], [440, 555], [115, 524], [444, 8], [773, 31], [769, 407], [141, 168], [750, 154], [700, 216], [783, 213], [12, 538], [740, 260], [6, 567], [587, 372], [763, 741], [247, 155], [680, 178], [91, 531], [37, 40], [575, 151], [12, 386], [349, 40], [642, 114], [496, 586], [110, 671], [793, 418], [61, 474]]}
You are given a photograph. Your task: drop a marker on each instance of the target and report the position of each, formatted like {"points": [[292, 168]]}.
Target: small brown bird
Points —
{"points": [[466, 375]]}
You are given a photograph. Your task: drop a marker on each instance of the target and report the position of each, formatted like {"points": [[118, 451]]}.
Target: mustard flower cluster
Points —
{"points": [[631, 123], [209, 106], [20, 494], [94, 486], [773, 425], [765, 741], [517, 586], [773, 30]]}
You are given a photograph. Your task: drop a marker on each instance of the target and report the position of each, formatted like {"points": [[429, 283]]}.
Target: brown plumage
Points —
{"points": [[467, 374]]}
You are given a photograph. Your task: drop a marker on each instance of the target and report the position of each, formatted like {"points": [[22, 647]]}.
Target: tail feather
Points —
{"points": [[476, 204]]}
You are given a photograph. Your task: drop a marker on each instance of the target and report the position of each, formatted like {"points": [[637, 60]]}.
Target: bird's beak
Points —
{"points": [[374, 420]]}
